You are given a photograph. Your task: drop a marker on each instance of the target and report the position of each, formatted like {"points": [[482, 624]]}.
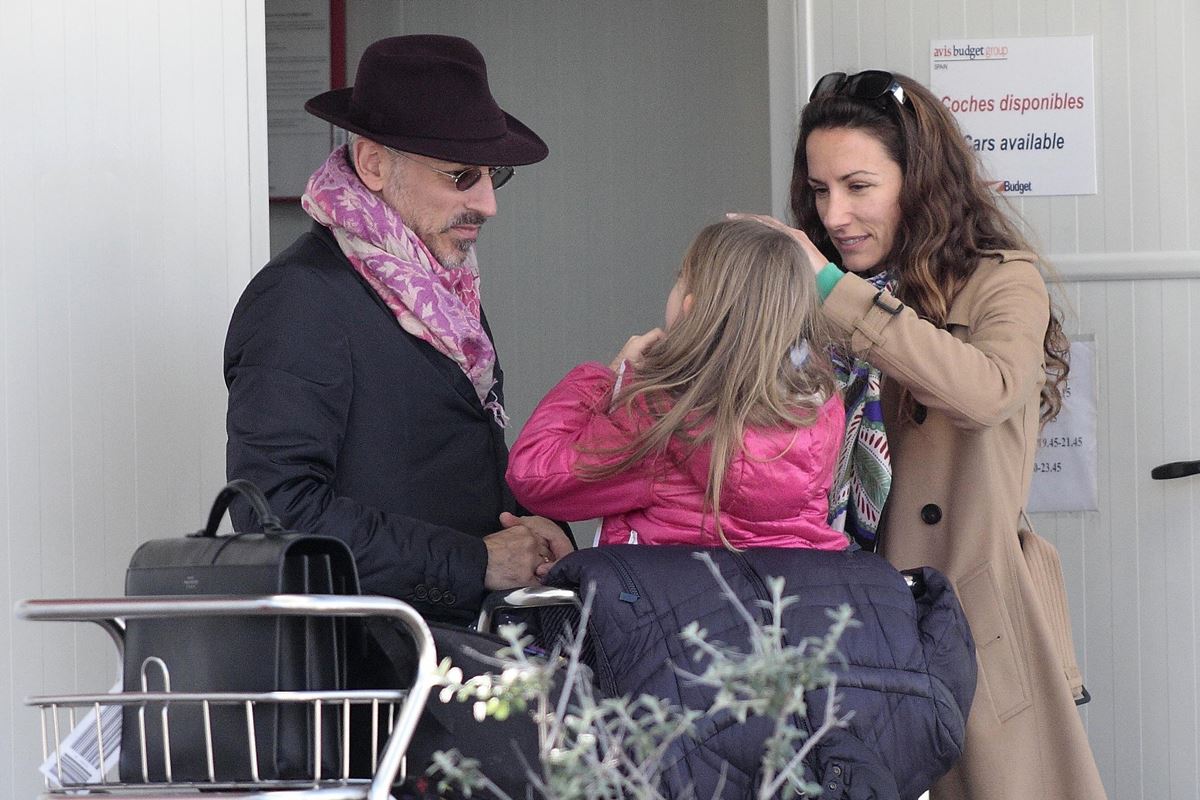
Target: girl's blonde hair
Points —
{"points": [[750, 352]]}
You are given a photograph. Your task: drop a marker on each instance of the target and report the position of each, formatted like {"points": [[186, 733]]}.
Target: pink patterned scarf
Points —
{"points": [[431, 302]]}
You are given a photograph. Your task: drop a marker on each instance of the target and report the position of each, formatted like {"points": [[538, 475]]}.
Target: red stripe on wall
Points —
{"points": [[337, 44]]}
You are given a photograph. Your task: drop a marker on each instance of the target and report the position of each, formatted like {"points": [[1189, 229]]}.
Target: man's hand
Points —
{"points": [[524, 551]]}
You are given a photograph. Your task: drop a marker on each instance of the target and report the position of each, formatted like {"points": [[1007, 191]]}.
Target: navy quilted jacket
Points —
{"points": [[909, 674]]}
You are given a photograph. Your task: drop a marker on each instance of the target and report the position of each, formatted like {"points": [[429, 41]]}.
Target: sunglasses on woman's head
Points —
{"points": [[872, 86]]}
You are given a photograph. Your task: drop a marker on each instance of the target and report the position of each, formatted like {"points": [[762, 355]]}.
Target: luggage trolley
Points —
{"points": [[393, 712]]}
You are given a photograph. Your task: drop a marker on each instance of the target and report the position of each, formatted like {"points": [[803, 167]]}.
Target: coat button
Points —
{"points": [[931, 514], [449, 599], [435, 595], [421, 592], [919, 414]]}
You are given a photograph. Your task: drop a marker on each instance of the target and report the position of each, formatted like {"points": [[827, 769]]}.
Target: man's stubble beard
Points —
{"points": [[451, 257]]}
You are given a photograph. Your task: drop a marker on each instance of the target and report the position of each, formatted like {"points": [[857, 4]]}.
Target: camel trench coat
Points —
{"points": [[962, 462]]}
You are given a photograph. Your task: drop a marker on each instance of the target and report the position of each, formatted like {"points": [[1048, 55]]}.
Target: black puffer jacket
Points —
{"points": [[909, 676]]}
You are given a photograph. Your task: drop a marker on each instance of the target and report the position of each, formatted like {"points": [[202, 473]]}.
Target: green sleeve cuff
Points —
{"points": [[827, 278]]}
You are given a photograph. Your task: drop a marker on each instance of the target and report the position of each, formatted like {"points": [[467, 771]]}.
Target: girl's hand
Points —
{"points": [[635, 347], [816, 259]]}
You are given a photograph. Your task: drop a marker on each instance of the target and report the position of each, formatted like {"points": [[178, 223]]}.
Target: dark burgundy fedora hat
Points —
{"points": [[429, 94]]}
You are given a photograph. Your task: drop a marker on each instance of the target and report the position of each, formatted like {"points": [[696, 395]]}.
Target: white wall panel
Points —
{"points": [[1144, 201], [1178, 511], [1189, 79], [132, 212], [1147, 379], [18, 391], [1117, 452]]}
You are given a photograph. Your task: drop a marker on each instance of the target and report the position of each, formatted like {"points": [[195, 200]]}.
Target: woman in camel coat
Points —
{"points": [[953, 359]]}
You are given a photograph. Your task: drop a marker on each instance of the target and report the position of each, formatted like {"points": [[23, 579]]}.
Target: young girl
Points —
{"points": [[722, 429]]}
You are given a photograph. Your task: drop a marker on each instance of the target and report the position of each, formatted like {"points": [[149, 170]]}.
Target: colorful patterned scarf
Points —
{"points": [[864, 470], [433, 303]]}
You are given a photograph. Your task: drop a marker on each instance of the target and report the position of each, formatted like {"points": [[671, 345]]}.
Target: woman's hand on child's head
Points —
{"points": [[816, 259], [635, 348]]}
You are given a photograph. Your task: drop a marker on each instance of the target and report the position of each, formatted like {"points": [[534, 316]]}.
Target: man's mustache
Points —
{"points": [[469, 218]]}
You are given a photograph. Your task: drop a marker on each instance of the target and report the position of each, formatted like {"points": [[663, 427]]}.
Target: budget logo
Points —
{"points": [[1011, 187]]}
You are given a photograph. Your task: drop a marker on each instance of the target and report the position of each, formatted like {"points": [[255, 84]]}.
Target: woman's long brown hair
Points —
{"points": [[950, 216]]}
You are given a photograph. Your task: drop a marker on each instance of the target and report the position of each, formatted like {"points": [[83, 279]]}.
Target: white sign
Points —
{"points": [[1027, 106], [1064, 471]]}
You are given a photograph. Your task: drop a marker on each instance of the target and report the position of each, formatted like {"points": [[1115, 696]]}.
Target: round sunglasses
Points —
{"points": [[465, 178]]}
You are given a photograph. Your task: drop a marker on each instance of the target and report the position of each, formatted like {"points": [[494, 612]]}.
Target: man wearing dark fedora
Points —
{"points": [[365, 398]]}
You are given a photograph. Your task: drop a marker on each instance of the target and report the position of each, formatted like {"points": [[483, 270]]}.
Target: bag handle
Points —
{"points": [[240, 486]]}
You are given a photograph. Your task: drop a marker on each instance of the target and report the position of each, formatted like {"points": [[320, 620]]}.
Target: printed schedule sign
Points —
{"points": [[1026, 105], [299, 66], [1064, 471]]}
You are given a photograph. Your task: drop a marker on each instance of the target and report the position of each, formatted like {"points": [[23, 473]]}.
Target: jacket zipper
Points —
{"points": [[629, 594], [629, 591], [756, 582], [760, 589]]}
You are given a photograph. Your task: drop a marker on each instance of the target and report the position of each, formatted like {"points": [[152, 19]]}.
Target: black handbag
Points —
{"points": [[235, 654]]}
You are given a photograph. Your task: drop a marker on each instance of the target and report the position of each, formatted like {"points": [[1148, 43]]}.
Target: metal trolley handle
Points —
{"points": [[110, 614]]}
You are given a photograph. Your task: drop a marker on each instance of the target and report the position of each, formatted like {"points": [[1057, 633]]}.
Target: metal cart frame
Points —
{"points": [[403, 707]]}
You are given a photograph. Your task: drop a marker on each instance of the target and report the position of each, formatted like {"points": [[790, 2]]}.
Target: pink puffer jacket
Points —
{"points": [[775, 492]]}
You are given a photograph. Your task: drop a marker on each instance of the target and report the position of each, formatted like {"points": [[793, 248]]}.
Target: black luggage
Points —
{"points": [[224, 654]]}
